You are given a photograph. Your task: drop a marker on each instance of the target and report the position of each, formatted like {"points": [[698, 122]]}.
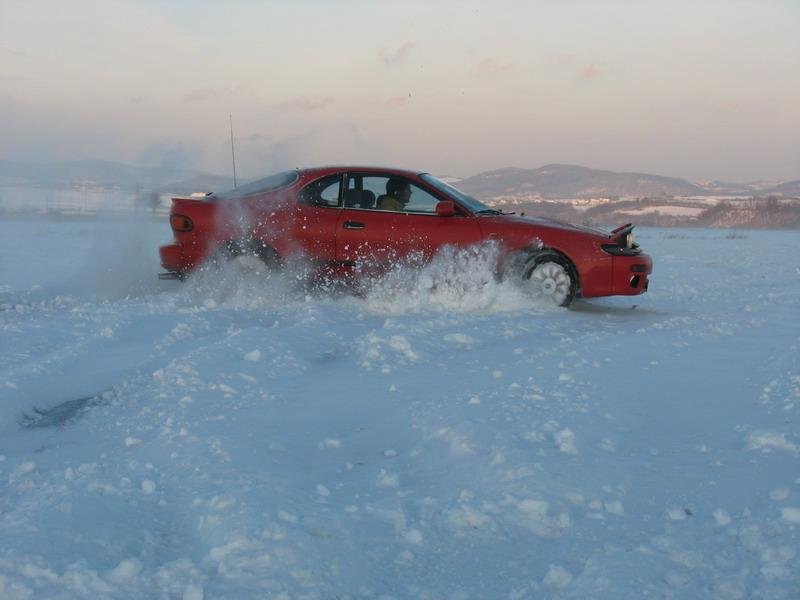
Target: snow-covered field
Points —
{"points": [[439, 437], [88, 199]]}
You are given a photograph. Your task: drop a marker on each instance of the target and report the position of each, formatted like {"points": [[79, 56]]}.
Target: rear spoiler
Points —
{"points": [[620, 244], [621, 231], [196, 196]]}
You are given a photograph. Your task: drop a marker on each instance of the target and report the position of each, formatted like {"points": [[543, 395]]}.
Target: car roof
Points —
{"points": [[331, 169]]}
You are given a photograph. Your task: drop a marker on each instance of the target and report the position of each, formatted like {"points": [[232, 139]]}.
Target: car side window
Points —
{"points": [[323, 192], [381, 192], [421, 201]]}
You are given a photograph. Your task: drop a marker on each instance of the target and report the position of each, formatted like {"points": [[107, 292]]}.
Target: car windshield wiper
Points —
{"points": [[489, 211]]}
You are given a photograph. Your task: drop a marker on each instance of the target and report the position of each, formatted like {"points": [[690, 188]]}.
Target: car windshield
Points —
{"points": [[474, 206], [273, 182]]}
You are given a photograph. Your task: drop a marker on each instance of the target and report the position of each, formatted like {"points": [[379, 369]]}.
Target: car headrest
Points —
{"points": [[352, 197], [367, 199]]}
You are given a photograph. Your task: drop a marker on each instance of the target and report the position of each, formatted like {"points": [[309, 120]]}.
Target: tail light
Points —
{"points": [[180, 223]]}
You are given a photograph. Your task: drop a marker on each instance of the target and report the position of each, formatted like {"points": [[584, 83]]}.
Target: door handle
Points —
{"points": [[353, 225]]}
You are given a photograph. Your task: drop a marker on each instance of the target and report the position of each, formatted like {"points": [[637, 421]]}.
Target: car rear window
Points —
{"points": [[273, 182]]}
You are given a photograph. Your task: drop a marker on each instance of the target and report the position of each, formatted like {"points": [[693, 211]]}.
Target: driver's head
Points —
{"points": [[397, 188]]}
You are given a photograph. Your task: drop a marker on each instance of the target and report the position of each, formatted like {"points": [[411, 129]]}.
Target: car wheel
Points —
{"points": [[249, 259], [549, 278]]}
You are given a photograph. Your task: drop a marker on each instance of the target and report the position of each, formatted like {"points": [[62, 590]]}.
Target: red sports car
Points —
{"points": [[358, 221]]}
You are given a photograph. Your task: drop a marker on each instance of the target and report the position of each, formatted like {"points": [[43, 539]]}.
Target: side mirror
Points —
{"points": [[445, 208]]}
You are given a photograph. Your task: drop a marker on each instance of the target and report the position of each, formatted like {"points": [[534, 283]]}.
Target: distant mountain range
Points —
{"points": [[108, 174], [547, 182], [571, 181], [788, 188]]}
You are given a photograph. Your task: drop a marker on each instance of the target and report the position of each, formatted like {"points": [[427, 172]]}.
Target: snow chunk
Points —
{"points": [[388, 480], [565, 440], [330, 443], [607, 445], [253, 356], [767, 441], [405, 558], [126, 570], [615, 508], [402, 345], [721, 517], [677, 514], [148, 486], [371, 347], [287, 516], [193, 591], [536, 517], [25, 467], [774, 562], [466, 517], [32, 571], [180, 331], [132, 441], [779, 494], [791, 515], [413, 536], [557, 577], [323, 491], [459, 338], [459, 445]]}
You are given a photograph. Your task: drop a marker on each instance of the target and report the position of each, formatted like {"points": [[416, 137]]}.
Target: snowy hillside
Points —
{"points": [[439, 437]]}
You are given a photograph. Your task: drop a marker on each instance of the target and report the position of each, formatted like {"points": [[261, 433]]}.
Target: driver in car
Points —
{"points": [[398, 193]]}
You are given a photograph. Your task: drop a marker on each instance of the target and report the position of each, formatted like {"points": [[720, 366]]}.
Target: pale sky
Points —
{"points": [[702, 89]]}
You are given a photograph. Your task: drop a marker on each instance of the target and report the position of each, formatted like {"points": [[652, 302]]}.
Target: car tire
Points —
{"points": [[551, 277], [250, 258]]}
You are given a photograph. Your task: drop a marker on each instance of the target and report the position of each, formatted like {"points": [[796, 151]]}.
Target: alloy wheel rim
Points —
{"points": [[550, 281]]}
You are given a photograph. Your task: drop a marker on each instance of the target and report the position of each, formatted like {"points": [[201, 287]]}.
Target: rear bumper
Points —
{"points": [[180, 258], [172, 258], [631, 274]]}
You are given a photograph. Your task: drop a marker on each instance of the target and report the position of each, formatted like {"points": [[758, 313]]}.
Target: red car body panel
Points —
{"points": [[366, 240]]}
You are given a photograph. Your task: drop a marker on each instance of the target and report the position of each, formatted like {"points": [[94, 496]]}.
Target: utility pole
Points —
{"points": [[233, 155]]}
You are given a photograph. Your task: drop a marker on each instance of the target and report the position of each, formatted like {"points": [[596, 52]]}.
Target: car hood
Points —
{"points": [[545, 222]]}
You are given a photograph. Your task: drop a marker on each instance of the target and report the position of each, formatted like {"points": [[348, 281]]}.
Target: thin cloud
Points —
{"points": [[304, 104], [258, 138], [169, 156], [200, 95], [14, 52], [488, 67], [397, 101], [394, 56], [593, 70], [560, 59], [9, 79]]}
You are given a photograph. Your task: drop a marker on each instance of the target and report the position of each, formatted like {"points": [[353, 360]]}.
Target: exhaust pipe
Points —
{"points": [[170, 275]]}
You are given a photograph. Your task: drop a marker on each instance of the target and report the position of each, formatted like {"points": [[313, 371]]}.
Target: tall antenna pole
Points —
{"points": [[233, 156]]}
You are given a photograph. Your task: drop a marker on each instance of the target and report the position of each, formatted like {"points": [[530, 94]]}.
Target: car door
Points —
{"points": [[374, 239], [316, 216]]}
